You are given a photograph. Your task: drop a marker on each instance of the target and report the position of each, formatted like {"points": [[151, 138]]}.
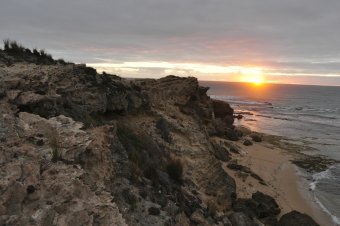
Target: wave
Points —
{"points": [[329, 177]]}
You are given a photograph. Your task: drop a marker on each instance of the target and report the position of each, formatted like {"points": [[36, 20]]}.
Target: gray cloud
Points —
{"points": [[285, 35]]}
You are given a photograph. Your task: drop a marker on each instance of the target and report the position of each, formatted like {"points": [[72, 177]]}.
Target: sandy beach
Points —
{"points": [[282, 179]]}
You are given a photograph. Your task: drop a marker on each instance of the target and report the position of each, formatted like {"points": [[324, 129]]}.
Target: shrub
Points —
{"points": [[36, 52], [6, 44], [175, 169], [42, 53], [61, 61], [13, 46]]}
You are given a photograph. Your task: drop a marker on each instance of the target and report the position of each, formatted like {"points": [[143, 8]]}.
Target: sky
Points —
{"points": [[280, 41]]}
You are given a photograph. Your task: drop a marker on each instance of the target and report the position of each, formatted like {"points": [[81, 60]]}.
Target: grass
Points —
{"points": [[145, 157]]}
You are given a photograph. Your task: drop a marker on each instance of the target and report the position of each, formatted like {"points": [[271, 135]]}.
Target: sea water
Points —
{"points": [[310, 115]]}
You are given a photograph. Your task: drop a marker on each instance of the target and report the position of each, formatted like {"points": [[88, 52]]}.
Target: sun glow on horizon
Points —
{"points": [[253, 75]]}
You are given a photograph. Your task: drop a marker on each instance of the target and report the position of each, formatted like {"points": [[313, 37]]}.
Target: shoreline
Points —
{"points": [[284, 180]]}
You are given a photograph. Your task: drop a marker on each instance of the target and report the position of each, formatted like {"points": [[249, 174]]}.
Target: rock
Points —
{"points": [[295, 218], [220, 151], [247, 142], [233, 147], [265, 205], [66, 159], [261, 206], [222, 109], [314, 163], [234, 166], [154, 211], [232, 134], [240, 219], [256, 137]]}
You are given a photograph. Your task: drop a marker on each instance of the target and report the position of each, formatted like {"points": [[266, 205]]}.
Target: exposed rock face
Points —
{"points": [[82, 148], [43, 183], [70, 90]]}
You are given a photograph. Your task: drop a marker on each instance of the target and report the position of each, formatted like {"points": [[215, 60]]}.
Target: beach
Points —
{"points": [[283, 180]]}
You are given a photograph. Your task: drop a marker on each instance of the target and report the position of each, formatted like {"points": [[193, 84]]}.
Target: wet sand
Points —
{"points": [[284, 183]]}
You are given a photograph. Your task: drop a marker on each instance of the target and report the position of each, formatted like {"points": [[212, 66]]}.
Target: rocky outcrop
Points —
{"points": [[43, 182], [70, 90], [296, 218], [82, 148]]}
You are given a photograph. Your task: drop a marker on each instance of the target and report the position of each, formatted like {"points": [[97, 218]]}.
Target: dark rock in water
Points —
{"points": [[314, 163], [247, 142], [222, 109], [240, 219], [296, 218], [299, 108], [256, 137], [154, 211], [265, 205]]}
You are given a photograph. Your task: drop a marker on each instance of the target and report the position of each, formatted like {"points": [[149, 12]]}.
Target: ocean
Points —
{"points": [[310, 115]]}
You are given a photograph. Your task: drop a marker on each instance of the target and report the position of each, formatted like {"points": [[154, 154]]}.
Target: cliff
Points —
{"points": [[82, 148]]}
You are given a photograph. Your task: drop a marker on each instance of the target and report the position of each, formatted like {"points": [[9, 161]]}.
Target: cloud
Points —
{"points": [[281, 35]]}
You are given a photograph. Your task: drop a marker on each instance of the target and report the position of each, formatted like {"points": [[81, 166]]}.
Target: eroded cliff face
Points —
{"points": [[82, 148]]}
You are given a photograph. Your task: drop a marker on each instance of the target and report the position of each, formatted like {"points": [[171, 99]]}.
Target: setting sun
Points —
{"points": [[252, 75]]}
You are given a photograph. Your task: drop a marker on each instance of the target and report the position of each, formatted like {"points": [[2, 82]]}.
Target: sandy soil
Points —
{"points": [[283, 182]]}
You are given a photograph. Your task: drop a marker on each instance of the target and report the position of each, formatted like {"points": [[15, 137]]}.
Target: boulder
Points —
{"points": [[261, 206], [265, 205], [295, 218], [240, 219], [256, 137], [220, 151], [247, 142], [222, 109]]}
